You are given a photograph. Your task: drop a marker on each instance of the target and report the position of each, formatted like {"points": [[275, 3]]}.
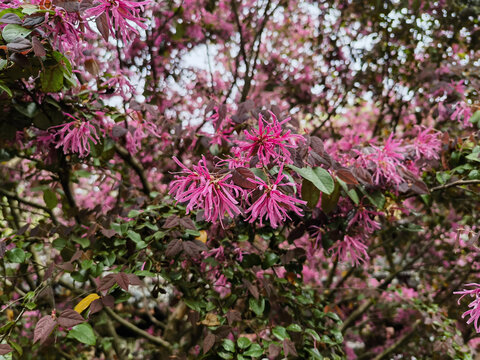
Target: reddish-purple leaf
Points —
{"points": [[171, 222], [49, 271], [76, 256], [222, 113], [11, 18], [122, 280], [210, 106], [187, 223], [289, 348], [5, 349], [95, 306], [85, 5], [68, 5], [68, 266], [106, 282], [102, 26], [44, 328], [108, 300], [108, 232], [208, 342], [274, 351], [19, 45], [251, 288], [69, 318], [38, 48], [240, 177], [233, 315], [118, 131], [33, 20], [317, 145], [173, 248], [134, 280], [3, 248], [363, 176], [347, 176], [194, 248]]}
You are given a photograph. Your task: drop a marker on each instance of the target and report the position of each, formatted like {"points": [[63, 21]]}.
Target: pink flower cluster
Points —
{"points": [[273, 204], [270, 141], [474, 306], [212, 193], [120, 15], [75, 137]]}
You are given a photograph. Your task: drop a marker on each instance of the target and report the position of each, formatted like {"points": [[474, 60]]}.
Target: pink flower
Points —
{"points": [[385, 161], [142, 129], [426, 143], [273, 204], [462, 113], [352, 247], [75, 137], [474, 312], [213, 193], [363, 220], [119, 13], [270, 141]]}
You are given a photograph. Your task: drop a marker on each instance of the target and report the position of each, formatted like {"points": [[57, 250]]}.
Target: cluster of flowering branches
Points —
{"points": [[216, 194]]}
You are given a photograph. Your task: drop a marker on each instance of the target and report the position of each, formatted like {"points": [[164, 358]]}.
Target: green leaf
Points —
{"points": [[83, 333], [13, 31], [225, 355], [280, 332], [377, 198], [473, 156], [51, 79], [254, 351], [257, 306], [59, 243], [3, 63], [270, 260], [135, 237], [6, 327], [243, 342], [352, 194], [442, 177], [329, 202], [294, 328], [310, 193], [193, 304], [6, 89], [475, 118], [317, 176], [228, 345], [133, 213], [16, 347], [84, 242], [338, 335], [16, 255], [315, 355], [313, 333], [50, 198]]}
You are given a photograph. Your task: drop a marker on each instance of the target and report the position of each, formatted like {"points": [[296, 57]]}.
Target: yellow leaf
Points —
{"points": [[85, 302], [210, 320], [202, 237]]}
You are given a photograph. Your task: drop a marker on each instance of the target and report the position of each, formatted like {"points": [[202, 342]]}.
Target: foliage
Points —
{"points": [[239, 179]]}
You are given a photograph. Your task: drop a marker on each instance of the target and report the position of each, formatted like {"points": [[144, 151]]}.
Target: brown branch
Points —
{"points": [[136, 166], [14, 196], [367, 304], [153, 339], [455, 183], [399, 342]]}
